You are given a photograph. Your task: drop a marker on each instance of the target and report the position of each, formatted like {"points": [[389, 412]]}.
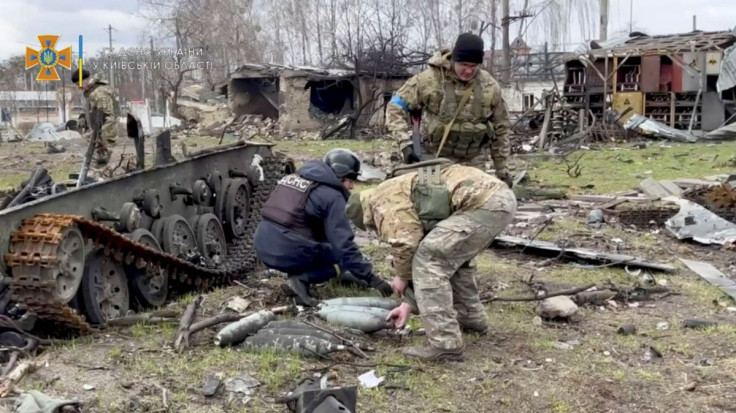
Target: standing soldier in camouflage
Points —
{"points": [[100, 96], [461, 106], [437, 219]]}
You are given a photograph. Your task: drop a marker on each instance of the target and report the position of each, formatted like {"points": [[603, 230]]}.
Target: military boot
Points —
{"points": [[298, 288], [481, 329], [430, 353]]}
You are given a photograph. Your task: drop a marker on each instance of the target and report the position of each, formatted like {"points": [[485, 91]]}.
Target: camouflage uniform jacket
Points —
{"points": [[388, 209], [100, 96], [437, 92]]}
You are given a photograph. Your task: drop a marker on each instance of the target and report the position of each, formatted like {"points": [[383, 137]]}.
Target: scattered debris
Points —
{"points": [[703, 226], [33, 401], [541, 296], [582, 253], [369, 380], [243, 385], [181, 341], [88, 387], [712, 275], [211, 384], [156, 317], [659, 189], [663, 325], [237, 304], [695, 323], [650, 127], [311, 396], [724, 133]]}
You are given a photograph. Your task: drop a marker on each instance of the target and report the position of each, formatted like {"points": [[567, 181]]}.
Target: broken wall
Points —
{"points": [[381, 91], [294, 105], [254, 96]]}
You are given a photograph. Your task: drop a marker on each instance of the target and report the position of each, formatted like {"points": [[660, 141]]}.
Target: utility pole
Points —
{"points": [[631, 16], [505, 21], [153, 81], [604, 20], [109, 36]]}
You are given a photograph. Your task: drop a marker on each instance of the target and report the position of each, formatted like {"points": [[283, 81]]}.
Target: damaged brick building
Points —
{"points": [[308, 99]]}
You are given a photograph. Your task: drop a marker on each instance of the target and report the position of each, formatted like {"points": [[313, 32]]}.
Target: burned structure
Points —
{"points": [[670, 79], [307, 99]]}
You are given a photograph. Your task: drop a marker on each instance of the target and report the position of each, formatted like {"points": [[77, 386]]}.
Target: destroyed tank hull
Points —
{"points": [[79, 258]]}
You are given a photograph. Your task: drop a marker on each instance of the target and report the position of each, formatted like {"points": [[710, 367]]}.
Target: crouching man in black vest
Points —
{"points": [[305, 232]]}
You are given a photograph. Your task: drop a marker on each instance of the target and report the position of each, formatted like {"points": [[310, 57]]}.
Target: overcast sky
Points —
{"points": [[22, 20]]}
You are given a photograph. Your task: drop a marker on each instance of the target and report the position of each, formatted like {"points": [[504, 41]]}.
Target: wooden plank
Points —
{"points": [[671, 187], [609, 198], [652, 188], [712, 275], [611, 204], [686, 183], [627, 193]]}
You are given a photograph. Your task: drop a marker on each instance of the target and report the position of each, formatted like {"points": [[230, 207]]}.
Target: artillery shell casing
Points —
{"points": [[363, 321], [309, 332], [303, 344], [380, 302], [236, 332], [372, 310]]}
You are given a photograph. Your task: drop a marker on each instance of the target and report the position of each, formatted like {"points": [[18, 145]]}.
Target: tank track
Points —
{"points": [[33, 256]]}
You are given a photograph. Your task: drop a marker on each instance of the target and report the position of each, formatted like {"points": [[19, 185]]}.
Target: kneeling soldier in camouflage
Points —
{"points": [[437, 219]]}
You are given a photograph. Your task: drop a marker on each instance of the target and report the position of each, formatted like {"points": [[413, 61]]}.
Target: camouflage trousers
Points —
{"points": [[444, 282], [101, 154]]}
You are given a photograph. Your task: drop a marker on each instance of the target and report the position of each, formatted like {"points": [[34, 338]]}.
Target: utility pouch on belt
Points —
{"points": [[431, 197]]}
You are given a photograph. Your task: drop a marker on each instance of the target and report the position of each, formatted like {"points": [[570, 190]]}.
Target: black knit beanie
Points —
{"points": [[468, 49]]}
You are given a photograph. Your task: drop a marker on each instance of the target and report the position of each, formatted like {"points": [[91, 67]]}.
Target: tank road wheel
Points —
{"points": [[157, 229], [211, 239], [220, 199], [149, 285], [237, 208], [71, 264], [201, 193], [152, 203], [105, 288], [214, 180], [178, 237], [130, 218]]}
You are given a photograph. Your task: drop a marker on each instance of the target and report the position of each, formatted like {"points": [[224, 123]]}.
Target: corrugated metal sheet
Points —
{"points": [[650, 127], [727, 77]]}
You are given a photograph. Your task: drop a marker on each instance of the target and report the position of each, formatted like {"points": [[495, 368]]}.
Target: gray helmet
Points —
{"points": [[344, 163]]}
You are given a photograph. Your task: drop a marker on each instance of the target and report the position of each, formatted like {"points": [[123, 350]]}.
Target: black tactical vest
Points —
{"points": [[285, 206]]}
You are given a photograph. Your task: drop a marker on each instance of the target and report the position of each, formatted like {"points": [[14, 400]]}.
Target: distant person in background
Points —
{"points": [[100, 97]]}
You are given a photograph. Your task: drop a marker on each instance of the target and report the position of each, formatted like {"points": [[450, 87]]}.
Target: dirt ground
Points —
{"points": [[581, 366]]}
